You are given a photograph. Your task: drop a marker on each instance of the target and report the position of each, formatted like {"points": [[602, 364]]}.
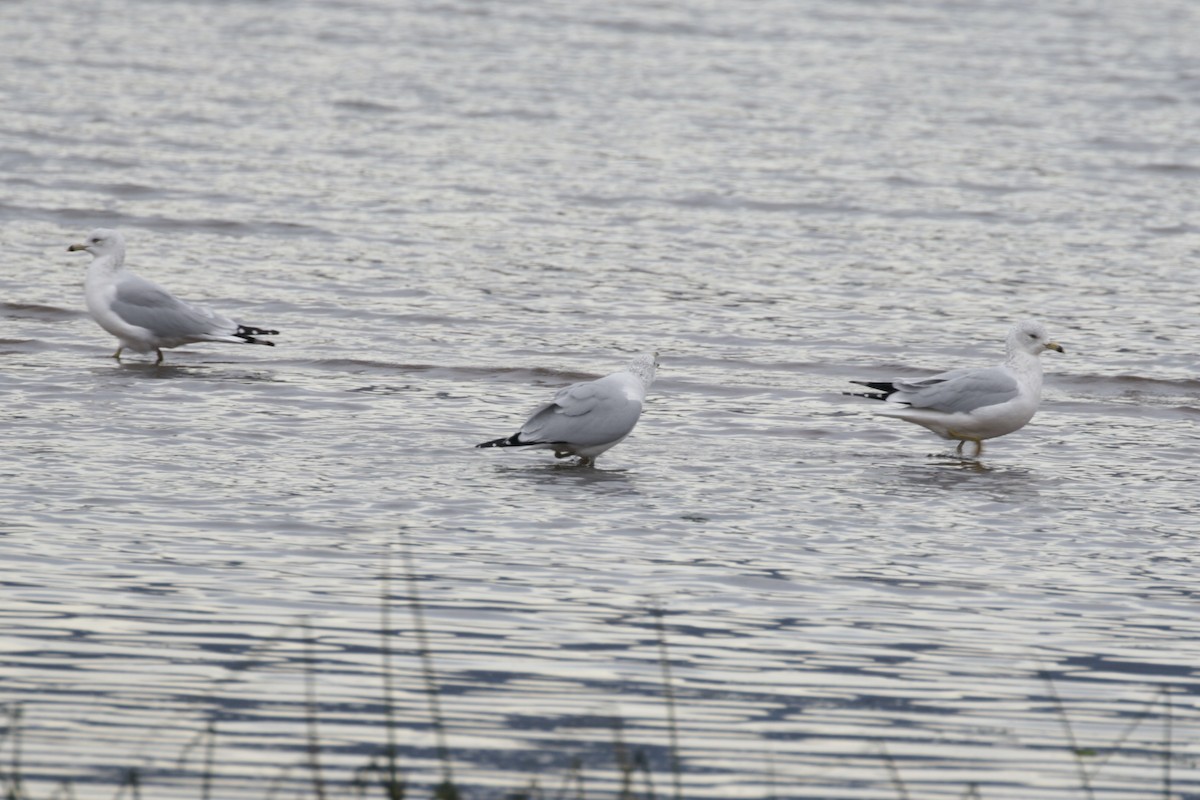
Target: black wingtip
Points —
{"points": [[247, 333], [884, 390], [503, 441], [250, 330], [882, 386], [508, 441]]}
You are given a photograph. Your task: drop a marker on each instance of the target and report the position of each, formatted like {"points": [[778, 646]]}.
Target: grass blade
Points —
{"points": [[893, 772], [310, 713], [446, 790], [1076, 752], [669, 696], [392, 784]]}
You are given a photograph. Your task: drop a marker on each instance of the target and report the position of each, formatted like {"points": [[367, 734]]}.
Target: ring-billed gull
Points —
{"points": [[143, 315], [971, 405], [585, 419]]}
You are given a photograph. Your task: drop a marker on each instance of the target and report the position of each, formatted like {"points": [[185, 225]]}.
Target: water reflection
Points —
{"points": [[113, 373], [163, 371], [617, 481], [942, 473], [168, 522]]}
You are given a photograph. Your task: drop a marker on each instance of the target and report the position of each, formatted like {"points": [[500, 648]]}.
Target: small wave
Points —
{"points": [[512, 113], [36, 311], [232, 227], [1179, 170], [1171, 230], [369, 106], [1131, 391], [94, 217]]}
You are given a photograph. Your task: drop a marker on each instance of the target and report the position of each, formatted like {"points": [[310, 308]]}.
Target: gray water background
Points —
{"points": [[450, 209]]}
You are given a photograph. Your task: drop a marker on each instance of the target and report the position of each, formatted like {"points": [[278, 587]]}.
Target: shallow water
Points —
{"points": [[450, 209]]}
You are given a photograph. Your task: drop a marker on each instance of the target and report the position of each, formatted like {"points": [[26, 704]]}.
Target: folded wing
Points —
{"points": [[958, 391], [584, 414], [147, 305]]}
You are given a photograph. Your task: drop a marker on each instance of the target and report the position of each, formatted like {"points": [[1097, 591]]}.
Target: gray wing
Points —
{"points": [[584, 414], [961, 390], [146, 304]]}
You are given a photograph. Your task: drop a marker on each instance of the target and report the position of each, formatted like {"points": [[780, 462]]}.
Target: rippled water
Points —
{"points": [[449, 209]]}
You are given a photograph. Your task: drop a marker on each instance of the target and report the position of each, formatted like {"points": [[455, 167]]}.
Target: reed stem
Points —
{"points": [[310, 713], [447, 790], [393, 785], [669, 695]]}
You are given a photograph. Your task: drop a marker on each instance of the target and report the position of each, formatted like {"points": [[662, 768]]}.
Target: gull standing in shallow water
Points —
{"points": [[143, 315], [971, 405], [585, 419]]}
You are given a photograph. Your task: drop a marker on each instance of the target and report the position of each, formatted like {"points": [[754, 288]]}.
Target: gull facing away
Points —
{"points": [[971, 405], [585, 419], [143, 315]]}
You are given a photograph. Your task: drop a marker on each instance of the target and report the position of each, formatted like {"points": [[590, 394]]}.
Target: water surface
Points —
{"points": [[450, 209]]}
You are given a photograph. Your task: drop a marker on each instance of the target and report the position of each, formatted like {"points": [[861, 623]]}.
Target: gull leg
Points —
{"points": [[160, 356], [117, 355], [587, 461], [978, 447], [958, 450]]}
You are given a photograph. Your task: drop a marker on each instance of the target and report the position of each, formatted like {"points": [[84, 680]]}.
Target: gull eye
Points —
{"points": [[1033, 336]]}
